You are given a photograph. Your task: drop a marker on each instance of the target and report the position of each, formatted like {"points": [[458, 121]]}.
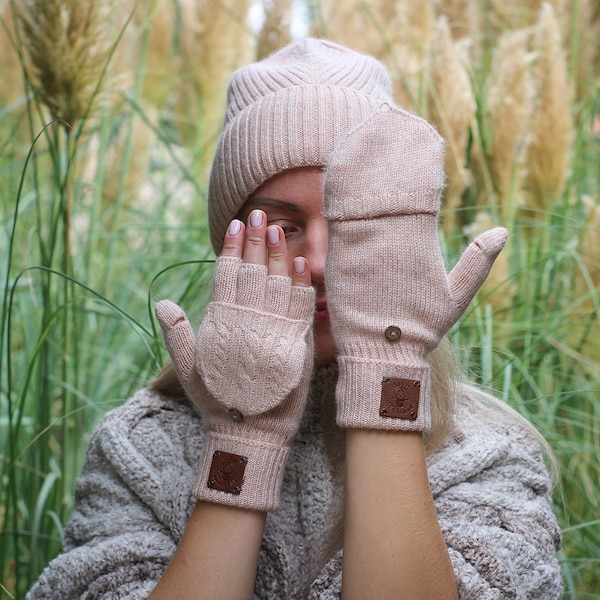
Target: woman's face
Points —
{"points": [[293, 200]]}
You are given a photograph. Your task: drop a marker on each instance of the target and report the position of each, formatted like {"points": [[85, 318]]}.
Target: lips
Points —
{"points": [[321, 311]]}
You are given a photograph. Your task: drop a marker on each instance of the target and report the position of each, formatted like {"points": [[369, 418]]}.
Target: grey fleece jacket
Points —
{"points": [[133, 500]]}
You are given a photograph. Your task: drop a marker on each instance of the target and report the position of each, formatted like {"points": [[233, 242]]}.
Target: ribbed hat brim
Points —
{"points": [[293, 127]]}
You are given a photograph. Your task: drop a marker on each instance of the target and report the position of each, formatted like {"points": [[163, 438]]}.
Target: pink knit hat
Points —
{"points": [[288, 110]]}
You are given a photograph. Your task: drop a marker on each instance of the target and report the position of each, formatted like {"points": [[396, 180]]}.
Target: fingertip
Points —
{"points": [[234, 239], [492, 241], [274, 235], [168, 313], [301, 272]]}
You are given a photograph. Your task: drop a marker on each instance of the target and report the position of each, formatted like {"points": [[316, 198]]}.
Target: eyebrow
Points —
{"points": [[272, 203]]}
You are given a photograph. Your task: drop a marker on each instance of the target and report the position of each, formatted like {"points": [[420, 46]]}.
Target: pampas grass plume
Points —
{"points": [[275, 32], [216, 39], [68, 43], [397, 32], [585, 48], [509, 109], [11, 82], [548, 152], [451, 109], [464, 18]]}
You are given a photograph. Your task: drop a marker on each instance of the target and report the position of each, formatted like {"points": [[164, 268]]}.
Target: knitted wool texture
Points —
{"points": [[385, 269], [248, 371], [286, 111], [134, 500]]}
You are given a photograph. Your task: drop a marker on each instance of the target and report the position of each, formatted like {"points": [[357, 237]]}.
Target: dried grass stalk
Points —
{"points": [[509, 109], [275, 32], [397, 32], [68, 43], [451, 109], [549, 150], [11, 81], [216, 39]]}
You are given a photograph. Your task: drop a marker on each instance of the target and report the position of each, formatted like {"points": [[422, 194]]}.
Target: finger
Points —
{"points": [[255, 250], [234, 239], [225, 278], [301, 272], [474, 265], [277, 251], [178, 334]]}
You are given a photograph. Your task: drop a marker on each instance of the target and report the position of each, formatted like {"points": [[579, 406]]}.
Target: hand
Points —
{"points": [[390, 299], [249, 367]]}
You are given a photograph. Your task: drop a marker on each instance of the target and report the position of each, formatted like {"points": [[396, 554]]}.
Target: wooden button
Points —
{"points": [[393, 333], [236, 415]]}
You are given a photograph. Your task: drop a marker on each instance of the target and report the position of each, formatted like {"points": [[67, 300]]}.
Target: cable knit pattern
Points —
{"points": [[259, 327], [134, 497], [254, 337]]}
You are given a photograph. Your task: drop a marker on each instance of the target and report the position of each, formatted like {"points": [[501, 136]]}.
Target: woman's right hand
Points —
{"points": [[248, 369]]}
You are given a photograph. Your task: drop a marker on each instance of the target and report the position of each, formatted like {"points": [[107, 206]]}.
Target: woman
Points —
{"points": [[312, 440]]}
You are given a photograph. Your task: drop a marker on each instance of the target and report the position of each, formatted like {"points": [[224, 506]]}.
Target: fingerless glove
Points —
{"points": [[247, 371]]}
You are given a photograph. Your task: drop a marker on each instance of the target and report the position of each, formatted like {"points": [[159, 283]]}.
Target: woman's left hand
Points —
{"points": [[390, 299]]}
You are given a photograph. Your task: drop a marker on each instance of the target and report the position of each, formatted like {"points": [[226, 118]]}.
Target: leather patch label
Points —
{"points": [[400, 398], [227, 472]]}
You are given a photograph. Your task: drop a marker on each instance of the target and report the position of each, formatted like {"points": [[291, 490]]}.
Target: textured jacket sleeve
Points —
{"points": [[124, 529], [492, 494], [493, 497]]}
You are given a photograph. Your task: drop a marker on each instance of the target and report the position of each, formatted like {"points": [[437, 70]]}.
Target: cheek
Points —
{"points": [[295, 247]]}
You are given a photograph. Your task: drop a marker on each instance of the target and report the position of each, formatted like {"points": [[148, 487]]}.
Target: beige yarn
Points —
{"points": [[248, 372], [385, 269]]}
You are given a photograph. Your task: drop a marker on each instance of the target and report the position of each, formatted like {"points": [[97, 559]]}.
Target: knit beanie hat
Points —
{"points": [[288, 110]]}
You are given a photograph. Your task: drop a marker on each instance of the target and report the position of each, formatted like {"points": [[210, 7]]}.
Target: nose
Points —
{"points": [[316, 249]]}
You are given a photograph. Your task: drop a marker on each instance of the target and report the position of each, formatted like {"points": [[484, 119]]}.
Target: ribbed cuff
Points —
{"points": [[240, 472], [379, 395]]}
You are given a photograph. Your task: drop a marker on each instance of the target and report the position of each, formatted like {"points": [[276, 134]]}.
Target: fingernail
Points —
{"points": [[234, 227], [273, 235], [299, 266], [256, 218]]}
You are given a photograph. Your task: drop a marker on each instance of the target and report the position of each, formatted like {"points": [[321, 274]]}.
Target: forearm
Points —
{"points": [[393, 546], [217, 555]]}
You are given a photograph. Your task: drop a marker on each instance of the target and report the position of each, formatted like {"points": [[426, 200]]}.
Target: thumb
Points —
{"points": [[474, 266], [178, 334]]}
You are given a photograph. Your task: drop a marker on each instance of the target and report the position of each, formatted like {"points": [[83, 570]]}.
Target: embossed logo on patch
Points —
{"points": [[227, 472], [400, 398]]}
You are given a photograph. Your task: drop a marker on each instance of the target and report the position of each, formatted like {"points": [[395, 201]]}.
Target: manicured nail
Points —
{"points": [[234, 227], [299, 266], [256, 218], [273, 235]]}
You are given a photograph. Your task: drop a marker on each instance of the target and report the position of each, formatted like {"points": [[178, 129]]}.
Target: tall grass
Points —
{"points": [[102, 212]]}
